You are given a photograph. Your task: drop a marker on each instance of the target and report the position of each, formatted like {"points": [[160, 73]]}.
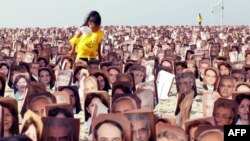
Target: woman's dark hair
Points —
{"points": [[14, 130], [39, 44], [94, 17], [105, 64], [107, 86], [61, 59], [16, 68], [114, 123], [188, 52], [121, 86], [166, 121], [76, 70], [45, 60], [239, 98], [35, 51], [16, 138], [128, 76], [27, 124], [183, 64], [16, 81], [227, 65], [4, 64], [240, 71], [77, 98], [70, 60], [89, 99], [196, 124], [127, 67], [55, 111], [26, 65], [235, 47], [3, 81], [51, 73]]}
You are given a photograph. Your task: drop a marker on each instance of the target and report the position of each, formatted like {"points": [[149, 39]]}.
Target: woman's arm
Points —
{"points": [[73, 42], [99, 52]]}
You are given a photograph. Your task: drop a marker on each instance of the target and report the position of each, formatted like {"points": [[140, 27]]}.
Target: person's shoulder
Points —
{"points": [[100, 31]]}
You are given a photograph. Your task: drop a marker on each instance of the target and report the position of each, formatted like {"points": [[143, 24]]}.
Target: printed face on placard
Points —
{"points": [[226, 87], [29, 57], [214, 50], [63, 78], [143, 128], [37, 105], [185, 82], [60, 129], [210, 77]]}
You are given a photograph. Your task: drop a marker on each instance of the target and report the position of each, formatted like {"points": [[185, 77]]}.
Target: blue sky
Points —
{"points": [[46, 13]]}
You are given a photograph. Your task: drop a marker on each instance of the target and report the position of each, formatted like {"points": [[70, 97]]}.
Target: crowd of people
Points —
{"points": [[51, 92]]}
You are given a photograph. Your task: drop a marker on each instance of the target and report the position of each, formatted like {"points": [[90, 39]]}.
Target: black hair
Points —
{"points": [[45, 60], [3, 81], [89, 99], [76, 93], [4, 64], [27, 124], [55, 111], [196, 124], [16, 81], [107, 86], [240, 71], [51, 73], [16, 138], [19, 68], [14, 130], [121, 86], [239, 98], [114, 123], [76, 70], [93, 16]]}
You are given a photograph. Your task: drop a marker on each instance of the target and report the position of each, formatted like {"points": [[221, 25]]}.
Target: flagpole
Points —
{"points": [[222, 12], [212, 12]]}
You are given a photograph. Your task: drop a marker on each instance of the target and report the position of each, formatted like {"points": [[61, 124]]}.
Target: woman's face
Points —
{"points": [[224, 70], [138, 76], [93, 26], [31, 132], [210, 77], [42, 63], [4, 70], [90, 108], [8, 119], [21, 84], [140, 53], [101, 82], [244, 109]]}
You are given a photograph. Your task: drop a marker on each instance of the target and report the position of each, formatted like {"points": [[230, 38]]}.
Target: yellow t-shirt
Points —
{"points": [[199, 19], [87, 46]]}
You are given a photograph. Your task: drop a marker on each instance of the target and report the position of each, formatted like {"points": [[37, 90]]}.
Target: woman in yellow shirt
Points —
{"points": [[87, 45]]}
